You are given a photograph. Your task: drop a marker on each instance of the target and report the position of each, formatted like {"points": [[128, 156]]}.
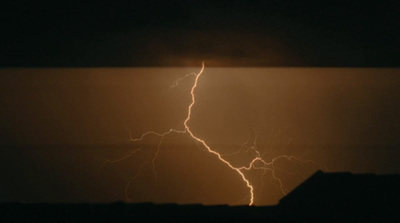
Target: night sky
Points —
{"points": [[316, 81], [180, 33]]}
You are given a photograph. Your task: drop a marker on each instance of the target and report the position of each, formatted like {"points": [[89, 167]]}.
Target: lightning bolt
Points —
{"points": [[257, 163], [201, 141]]}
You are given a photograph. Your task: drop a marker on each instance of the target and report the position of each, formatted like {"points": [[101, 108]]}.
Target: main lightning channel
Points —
{"points": [[187, 129]]}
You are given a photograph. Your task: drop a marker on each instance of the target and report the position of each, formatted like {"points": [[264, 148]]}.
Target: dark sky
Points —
{"points": [[317, 81], [179, 33]]}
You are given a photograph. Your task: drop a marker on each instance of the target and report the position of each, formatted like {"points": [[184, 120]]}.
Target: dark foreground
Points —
{"points": [[147, 212], [324, 197]]}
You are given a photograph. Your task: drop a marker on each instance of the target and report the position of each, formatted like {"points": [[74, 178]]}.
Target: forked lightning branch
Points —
{"points": [[256, 163]]}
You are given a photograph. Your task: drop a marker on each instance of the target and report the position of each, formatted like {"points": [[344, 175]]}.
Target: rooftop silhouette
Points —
{"points": [[346, 194]]}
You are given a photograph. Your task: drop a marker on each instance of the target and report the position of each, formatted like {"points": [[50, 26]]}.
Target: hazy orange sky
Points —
{"points": [[59, 125]]}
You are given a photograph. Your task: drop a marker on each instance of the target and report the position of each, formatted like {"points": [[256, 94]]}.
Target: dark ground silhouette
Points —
{"points": [[324, 197]]}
